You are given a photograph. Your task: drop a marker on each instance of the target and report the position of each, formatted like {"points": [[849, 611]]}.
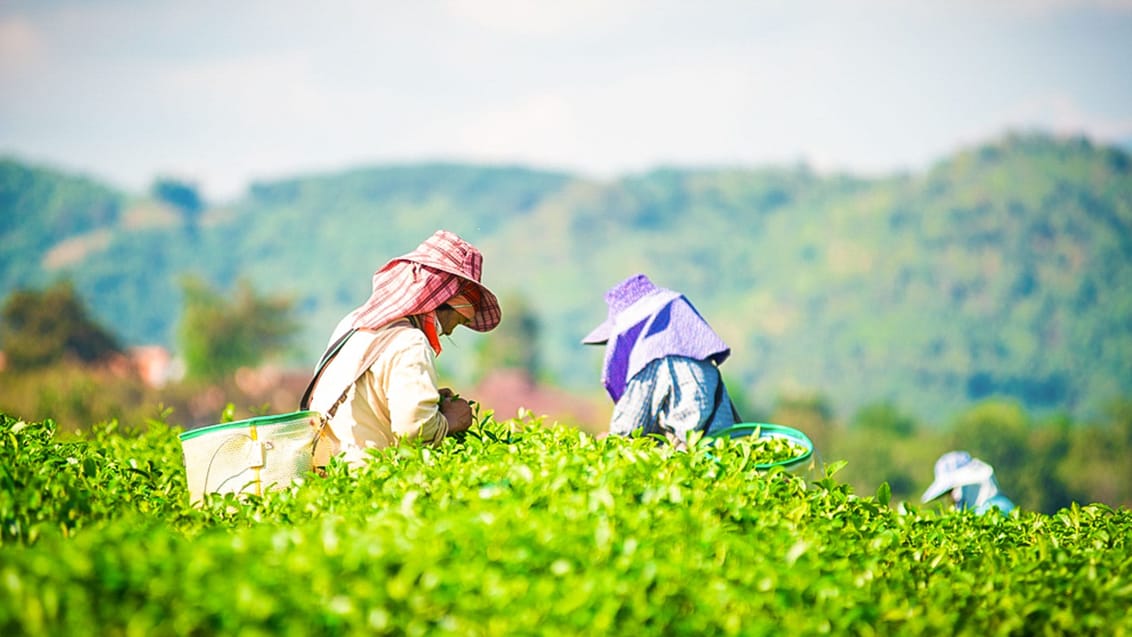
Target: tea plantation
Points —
{"points": [[520, 529]]}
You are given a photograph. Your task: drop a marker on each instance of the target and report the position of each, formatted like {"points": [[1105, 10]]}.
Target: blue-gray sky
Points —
{"points": [[222, 92]]}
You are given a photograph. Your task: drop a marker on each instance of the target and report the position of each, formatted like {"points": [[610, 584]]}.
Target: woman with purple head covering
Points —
{"points": [[661, 363]]}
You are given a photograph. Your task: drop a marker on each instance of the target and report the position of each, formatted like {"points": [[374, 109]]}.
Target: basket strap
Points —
{"points": [[305, 401], [331, 352], [338, 403], [324, 421]]}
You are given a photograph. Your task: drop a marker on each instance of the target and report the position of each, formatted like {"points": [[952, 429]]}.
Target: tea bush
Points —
{"points": [[521, 529]]}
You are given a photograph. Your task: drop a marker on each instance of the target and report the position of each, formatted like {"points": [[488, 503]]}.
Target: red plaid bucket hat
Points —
{"points": [[419, 282]]}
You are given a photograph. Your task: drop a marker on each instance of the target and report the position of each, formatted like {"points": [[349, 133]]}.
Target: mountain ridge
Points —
{"points": [[1002, 269]]}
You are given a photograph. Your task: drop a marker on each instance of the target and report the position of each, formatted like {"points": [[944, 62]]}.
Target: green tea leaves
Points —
{"points": [[521, 528]]}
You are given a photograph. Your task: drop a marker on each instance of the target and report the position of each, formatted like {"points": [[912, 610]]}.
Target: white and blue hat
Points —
{"points": [[956, 469]]}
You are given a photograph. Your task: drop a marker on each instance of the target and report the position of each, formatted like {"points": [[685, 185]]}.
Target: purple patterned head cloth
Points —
{"points": [[645, 323]]}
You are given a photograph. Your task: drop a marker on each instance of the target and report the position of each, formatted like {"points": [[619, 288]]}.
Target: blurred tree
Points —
{"points": [[995, 431], [41, 328], [514, 344], [874, 458], [883, 417], [1024, 458], [879, 447], [219, 335], [1096, 464], [1048, 446], [809, 413], [180, 195]]}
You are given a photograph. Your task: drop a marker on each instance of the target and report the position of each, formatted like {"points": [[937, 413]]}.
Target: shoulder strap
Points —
{"points": [[331, 352]]}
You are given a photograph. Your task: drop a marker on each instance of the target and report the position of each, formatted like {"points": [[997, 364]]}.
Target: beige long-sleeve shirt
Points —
{"points": [[395, 394]]}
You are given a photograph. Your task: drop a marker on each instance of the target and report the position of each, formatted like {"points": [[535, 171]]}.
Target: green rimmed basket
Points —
{"points": [[254, 455], [770, 430]]}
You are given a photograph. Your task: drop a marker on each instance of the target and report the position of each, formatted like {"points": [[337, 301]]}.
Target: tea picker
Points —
{"points": [[375, 385], [661, 364], [970, 482]]}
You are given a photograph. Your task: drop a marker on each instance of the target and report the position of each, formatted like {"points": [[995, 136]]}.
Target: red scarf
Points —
{"points": [[427, 324]]}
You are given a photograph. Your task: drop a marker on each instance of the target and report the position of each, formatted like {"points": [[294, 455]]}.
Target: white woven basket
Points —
{"points": [[250, 456]]}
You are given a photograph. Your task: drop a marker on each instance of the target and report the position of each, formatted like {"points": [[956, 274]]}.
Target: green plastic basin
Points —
{"points": [[770, 430]]}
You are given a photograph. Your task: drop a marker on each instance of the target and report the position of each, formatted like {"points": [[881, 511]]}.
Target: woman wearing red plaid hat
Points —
{"points": [[378, 382]]}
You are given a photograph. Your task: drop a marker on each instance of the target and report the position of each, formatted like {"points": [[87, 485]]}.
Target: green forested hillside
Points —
{"points": [[1004, 269], [39, 208]]}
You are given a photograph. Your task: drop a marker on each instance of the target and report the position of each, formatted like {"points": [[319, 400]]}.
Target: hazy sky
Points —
{"points": [[221, 93]]}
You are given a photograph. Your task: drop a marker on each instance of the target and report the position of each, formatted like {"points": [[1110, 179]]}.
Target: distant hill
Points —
{"points": [[40, 209], [1005, 269]]}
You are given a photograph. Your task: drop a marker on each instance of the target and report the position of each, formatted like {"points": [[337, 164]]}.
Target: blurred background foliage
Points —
{"points": [[1003, 270], [42, 328], [984, 304], [222, 332]]}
